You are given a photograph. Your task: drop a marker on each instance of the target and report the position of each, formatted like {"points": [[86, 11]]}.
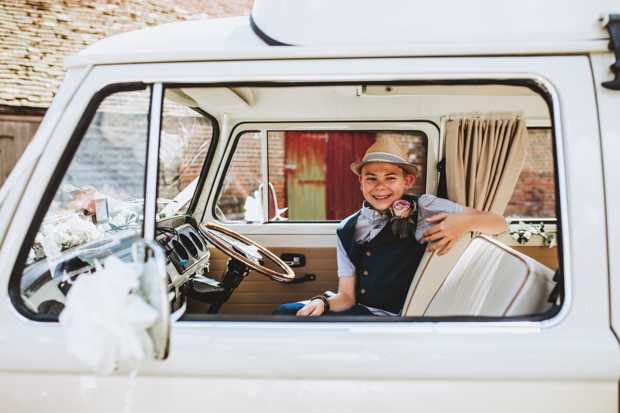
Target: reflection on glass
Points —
{"points": [[98, 208], [240, 197], [185, 140]]}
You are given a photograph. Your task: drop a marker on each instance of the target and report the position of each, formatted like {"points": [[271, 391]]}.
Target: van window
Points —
{"points": [[186, 137], [311, 177], [240, 198], [98, 208], [309, 174]]}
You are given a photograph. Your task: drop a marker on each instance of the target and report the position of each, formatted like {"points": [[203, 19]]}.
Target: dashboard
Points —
{"points": [[45, 283], [186, 255]]}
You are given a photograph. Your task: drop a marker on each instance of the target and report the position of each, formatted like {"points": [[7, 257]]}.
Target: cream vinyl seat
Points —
{"points": [[486, 279]]}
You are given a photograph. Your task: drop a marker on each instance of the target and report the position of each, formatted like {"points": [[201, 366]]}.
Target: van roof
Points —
{"points": [[406, 22], [352, 28]]}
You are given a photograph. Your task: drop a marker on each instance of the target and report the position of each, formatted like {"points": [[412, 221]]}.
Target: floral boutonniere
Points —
{"points": [[402, 213]]}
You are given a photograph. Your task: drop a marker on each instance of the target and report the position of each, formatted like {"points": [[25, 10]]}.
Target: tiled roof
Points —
{"points": [[35, 35]]}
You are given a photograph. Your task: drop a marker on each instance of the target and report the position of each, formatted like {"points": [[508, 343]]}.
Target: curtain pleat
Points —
{"points": [[483, 161]]}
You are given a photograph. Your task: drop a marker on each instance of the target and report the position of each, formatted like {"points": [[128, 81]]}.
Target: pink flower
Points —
{"points": [[401, 208]]}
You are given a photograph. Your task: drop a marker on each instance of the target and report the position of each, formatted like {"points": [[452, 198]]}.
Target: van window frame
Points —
{"points": [[429, 129], [536, 83]]}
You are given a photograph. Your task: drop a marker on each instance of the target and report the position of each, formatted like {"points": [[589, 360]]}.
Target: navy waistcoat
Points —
{"points": [[385, 265]]}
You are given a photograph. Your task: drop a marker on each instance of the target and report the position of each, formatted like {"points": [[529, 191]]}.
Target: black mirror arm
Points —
{"points": [[613, 27]]}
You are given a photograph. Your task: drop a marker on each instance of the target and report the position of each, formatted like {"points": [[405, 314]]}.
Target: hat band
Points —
{"points": [[384, 157]]}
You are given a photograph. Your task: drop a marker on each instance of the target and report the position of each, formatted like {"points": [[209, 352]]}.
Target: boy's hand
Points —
{"points": [[452, 228], [313, 309]]}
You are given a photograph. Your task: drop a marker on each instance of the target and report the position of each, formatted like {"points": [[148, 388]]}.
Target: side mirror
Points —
{"points": [[153, 289]]}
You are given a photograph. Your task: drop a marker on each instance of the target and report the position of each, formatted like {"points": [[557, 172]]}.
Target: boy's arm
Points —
{"points": [[454, 226], [344, 300]]}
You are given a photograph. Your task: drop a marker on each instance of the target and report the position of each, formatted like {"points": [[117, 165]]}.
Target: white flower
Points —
{"points": [[527, 235], [552, 243], [515, 236]]}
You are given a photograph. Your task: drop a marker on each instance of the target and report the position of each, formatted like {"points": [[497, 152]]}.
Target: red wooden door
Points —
{"points": [[305, 169], [344, 196], [319, 182]]}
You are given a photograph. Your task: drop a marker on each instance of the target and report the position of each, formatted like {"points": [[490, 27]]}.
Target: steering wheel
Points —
{"points": [[242, 251]]}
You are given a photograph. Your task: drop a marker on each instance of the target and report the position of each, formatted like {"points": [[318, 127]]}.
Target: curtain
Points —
{"points": [[483, 161]]}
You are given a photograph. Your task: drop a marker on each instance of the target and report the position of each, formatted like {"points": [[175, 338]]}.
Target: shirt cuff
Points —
{"points": [[346, 273]]}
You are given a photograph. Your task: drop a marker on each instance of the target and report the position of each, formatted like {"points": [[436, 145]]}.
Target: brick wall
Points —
{"points": [[534, 194]]}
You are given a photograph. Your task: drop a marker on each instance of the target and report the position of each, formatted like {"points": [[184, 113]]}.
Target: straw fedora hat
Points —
{"points": [[387, 150]]}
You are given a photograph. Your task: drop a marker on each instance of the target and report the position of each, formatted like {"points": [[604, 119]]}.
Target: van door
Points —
{"points": [[482, 363], [608, 105], [89, 189]]}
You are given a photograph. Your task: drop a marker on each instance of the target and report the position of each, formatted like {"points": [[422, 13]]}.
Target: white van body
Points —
{"points": [[569, 362]]}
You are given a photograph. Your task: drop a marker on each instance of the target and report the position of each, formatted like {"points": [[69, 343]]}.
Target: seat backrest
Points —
{"points": [[491, 279], [430, 275]]}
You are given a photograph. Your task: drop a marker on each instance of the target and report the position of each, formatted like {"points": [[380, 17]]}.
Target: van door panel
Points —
{"points": [[258, 294]]}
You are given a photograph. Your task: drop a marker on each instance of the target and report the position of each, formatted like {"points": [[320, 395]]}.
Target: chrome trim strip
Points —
{"points": [[164, 312], [265, 173], [152, 162]]}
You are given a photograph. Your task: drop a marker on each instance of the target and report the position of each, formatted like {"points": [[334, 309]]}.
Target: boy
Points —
{"points": [[376, 267]]}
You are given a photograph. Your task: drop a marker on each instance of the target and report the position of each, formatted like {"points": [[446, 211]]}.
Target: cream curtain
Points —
{"points": [[483, 161]]}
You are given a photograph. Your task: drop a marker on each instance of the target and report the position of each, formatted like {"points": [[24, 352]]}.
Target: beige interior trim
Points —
{"points": [[429, 277]]}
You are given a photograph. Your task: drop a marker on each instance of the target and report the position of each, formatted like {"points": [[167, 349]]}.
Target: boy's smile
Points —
{"points": [[383, 184]]}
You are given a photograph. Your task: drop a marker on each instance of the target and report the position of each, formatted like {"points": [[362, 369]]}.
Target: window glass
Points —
{"points": [[185, 139], [98, 208], [310, 178], [534, 194], [240, 198]]}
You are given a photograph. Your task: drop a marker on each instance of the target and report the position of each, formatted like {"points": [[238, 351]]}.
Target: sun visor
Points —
{"points": [[220, 97], [405, 22]]}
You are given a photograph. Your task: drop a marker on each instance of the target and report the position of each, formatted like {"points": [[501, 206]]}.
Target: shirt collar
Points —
{"points": [[371, 214]]}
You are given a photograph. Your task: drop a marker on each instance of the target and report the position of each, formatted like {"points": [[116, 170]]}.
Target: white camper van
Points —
{"points": [[219, 151]]}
